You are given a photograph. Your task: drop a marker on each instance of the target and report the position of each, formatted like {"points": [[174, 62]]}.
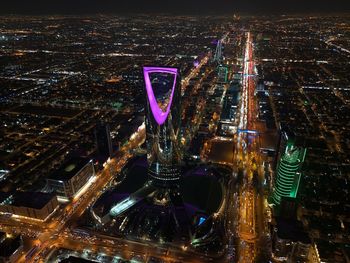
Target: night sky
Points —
{"points": [[174, 6]]}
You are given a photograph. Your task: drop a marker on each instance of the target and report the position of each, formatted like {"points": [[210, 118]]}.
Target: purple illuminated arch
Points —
{"points": [[158, 114]]}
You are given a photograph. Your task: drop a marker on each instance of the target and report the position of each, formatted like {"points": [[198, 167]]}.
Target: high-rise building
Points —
{"points": [[103, 140], [164, 208], [222, 74], [288, 172], [163, 123], [218, 52]]}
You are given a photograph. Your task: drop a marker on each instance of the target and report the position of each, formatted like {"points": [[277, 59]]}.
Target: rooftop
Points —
{"points": [[293, 230], [36, 200], [69, 168]]}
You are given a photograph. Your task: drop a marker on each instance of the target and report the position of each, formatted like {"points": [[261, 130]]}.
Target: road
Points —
{"points": [[251, 209]]}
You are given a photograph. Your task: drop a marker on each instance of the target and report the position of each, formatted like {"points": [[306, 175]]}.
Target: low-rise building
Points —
{"points": [[71, 177], [34, 205]]}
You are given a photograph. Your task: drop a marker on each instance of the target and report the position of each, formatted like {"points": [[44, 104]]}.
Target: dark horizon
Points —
{"points": [[194, 7]]}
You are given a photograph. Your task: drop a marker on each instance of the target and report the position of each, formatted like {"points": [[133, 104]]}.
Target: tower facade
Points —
{"points": [[218, 52], [163, 123], [103, 140], [288, 172]]}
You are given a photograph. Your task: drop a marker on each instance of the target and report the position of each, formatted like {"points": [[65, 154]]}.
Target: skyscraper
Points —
{"points": [[288, 172], [103, 140], [163, 124], [164, 208], [222, 73]]}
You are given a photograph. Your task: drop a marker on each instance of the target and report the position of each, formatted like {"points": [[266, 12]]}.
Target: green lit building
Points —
{"points": [[222, 74], [288, 173]]}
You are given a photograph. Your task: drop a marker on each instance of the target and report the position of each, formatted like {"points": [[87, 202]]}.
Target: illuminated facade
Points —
{"points": [[163, 123], [71, 177], [218, 52], [222, 74], [288, 172], [29, 205]]}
